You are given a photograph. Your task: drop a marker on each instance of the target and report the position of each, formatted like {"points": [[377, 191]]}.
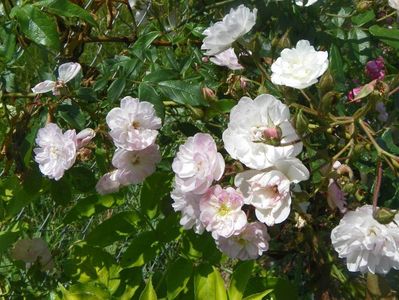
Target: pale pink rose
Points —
{"points": [[269, 190], [353, 93], [189, 206], [221, 211], [108, 183], [56, 152], [134, 124], [32, 250], [66, 72], [84, 137], [249, 244], [227, 59], [134, 166], [197, 164]]}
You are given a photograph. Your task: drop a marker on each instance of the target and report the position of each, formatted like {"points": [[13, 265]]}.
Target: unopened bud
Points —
{"points": [[326, 83], [84, 137], [384, 215], [284, 41], [301, 123], [327, 101], [208, 94], [363, 5]]}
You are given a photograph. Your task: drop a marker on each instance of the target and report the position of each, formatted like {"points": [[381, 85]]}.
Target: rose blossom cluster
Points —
{"points": [[134, 128], [261, 137], [204, 206]]}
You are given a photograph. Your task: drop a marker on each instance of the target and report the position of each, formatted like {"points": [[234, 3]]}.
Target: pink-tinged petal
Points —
{"points": [[43, 87], [68, 71]]}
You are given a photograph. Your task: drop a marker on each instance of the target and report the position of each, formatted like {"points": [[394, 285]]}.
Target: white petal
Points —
{"points": [[43, 87], [68, 71]]}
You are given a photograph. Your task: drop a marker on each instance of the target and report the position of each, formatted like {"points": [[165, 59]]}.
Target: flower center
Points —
{"points": [[267, 135], [54, 152], [223, 210], [136, 124], [135, 160]]}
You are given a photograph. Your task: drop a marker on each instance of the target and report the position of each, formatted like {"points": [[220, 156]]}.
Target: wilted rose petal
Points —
{"points": [[32, 250]]}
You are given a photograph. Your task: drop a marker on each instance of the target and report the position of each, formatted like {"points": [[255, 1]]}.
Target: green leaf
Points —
{"points": [[115, 228], [142, 249], [67, 9], [150, 201], [360, 43], [37, 26], [183, 92], [239, 280], [143, 43], [161, 75], [363, 18], [258, 296], [82, 179], [177, 276], [389, 142], [149, 94], [61, 191], [73, 115], [366, 90], [389, 36], [208, 284], [7, 238], [116, 88], [336, 64], [148, 292], [87, 291]]}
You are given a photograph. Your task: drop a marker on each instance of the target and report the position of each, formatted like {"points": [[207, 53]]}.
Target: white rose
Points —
{"points": [[269, 190], [308, 2], [134, 124], [189, 206], [367, 245], [260, 132], [248, 244], [394, 4], [197, 164], [135, 166], [108, 183], [56, 152], [222, 34], [299, 67]]}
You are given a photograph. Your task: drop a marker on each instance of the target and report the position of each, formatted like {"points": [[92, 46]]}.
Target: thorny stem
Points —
{"points": [[348, 145], [307, 98], [377, 186]]}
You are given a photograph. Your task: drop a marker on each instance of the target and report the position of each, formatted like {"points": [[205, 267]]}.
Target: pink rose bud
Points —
{"points": [[272, 133], [353, 93], [84, 137], [375, 69]]}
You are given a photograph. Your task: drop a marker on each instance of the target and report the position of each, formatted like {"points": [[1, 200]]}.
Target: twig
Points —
{"points": [[377, 186]]}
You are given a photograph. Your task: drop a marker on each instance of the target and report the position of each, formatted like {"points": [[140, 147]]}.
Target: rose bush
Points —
{"points": [[199, 149]]}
